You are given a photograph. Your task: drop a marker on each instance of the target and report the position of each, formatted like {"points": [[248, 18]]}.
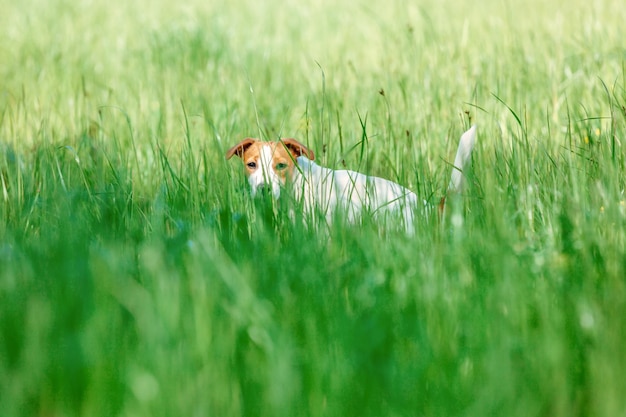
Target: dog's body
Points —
{"points": [[353, 193], [273, 166]]}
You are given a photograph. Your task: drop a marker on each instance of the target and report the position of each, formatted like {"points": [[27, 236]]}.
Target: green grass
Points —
{"points": [[137, 278]]}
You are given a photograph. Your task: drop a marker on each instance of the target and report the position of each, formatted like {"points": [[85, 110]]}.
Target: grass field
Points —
{"points": [[138, 278]]}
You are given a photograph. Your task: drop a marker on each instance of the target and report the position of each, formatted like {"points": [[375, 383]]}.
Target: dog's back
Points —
{"points": [[327, 190]]}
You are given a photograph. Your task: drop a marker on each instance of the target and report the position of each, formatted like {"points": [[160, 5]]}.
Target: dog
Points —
{"points": [[286, 164]]}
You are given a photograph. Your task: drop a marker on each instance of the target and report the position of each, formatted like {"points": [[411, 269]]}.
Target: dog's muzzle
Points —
{"points": [[264, 190]]}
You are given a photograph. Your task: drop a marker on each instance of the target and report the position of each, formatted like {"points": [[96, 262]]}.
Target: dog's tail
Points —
{"points": [[463, 156]]}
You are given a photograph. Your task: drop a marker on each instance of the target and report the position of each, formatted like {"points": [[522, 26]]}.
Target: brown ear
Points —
{"points": [[240, 148], [297, 149]]}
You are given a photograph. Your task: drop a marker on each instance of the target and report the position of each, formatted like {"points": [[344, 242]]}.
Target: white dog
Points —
{"points": [[271, 166]]}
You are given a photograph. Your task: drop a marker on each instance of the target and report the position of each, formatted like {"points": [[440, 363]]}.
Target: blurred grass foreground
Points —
{"points": [[138, 278]]}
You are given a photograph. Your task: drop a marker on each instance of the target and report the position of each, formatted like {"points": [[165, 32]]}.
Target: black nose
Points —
{"points": [[264, 189]]}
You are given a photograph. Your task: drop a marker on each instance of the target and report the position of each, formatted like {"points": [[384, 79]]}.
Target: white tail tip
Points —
{"points": [[463, 155]]}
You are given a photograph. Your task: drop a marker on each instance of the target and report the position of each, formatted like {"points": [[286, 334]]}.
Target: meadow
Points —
{"points": [[138, 277]]}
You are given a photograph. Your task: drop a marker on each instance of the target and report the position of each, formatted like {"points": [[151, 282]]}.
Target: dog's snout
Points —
{"points": [[264, 189]]}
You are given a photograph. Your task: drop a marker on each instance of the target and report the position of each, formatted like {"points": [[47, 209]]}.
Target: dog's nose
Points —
{"points": [[264, 189]]}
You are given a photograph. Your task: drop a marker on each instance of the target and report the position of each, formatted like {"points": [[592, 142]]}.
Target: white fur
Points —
{"points": [[323, 190], [463, 154], [265, 174], [327, 190]]}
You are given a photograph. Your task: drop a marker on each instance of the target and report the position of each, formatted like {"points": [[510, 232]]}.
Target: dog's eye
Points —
{"points": [[280, 166], [251, 165]]}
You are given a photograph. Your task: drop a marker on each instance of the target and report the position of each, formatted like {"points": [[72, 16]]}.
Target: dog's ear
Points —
{"points": [[297, 149], [240, 148]]}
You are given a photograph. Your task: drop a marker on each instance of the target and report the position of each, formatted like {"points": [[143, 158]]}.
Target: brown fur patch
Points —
{"points": [[283, 155]]}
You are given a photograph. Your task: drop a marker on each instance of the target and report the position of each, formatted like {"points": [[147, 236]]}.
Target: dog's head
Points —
{"points": [[269, 165]]}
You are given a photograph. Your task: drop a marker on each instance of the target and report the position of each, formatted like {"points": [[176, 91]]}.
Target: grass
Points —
{"points": [[138, 278]]}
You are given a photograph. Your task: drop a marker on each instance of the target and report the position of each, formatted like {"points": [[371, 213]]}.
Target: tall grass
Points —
{"points": [[138, 277]]}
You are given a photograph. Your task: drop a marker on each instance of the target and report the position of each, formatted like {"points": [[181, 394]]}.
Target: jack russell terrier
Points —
{"points": [[288, 164]]}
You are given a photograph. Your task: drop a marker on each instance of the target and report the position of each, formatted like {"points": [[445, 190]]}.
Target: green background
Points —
{"points": [[138, 278]]}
